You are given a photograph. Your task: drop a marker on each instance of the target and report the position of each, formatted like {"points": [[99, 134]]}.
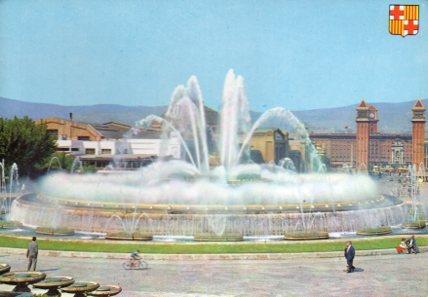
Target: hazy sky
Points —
{"points": [[295, 54]]}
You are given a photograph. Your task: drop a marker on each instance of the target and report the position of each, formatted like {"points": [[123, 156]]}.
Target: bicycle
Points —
{"points": [[132, 264]]}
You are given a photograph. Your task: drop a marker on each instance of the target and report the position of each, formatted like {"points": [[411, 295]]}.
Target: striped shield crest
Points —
{"points": [[403, 19]]}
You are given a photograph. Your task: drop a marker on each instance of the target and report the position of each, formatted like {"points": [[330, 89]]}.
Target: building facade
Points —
{"points": [[272, 144], [71, 130], [112, 142], [369, 148]]}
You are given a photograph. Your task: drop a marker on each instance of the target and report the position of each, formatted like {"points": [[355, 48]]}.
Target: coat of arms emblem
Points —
{"points": [[403, 19]]}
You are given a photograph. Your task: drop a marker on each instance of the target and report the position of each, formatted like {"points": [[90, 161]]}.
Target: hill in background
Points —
{"points": [[393, 117]]}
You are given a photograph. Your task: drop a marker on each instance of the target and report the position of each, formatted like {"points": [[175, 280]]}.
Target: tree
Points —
{"points": [[58, 161], [25, 143]]}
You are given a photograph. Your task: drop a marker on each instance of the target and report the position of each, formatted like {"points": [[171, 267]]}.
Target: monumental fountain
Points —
{"points": [[224, 201]]}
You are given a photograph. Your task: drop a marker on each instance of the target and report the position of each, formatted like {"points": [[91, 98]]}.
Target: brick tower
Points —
{"points": [[373, 119], [418, 134], [363, 136]]}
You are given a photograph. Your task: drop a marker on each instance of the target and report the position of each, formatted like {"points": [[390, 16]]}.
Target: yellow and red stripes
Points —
{"points": [[411, 12], [396, 27]]}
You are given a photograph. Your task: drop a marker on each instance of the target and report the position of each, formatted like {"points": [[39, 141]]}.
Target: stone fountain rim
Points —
{"points": [[67, 280], [90, 286], [130, 208], [114, 289], [38, 276]]}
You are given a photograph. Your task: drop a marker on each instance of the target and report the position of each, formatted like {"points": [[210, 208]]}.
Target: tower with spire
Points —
{"points": [[363, 136], [418, 134]]}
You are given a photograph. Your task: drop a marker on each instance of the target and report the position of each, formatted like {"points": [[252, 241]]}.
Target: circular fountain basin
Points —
{"points": [[22, 279], [116, 219], [130, 208], [80, 288], [4, 268], [52, 284], [106, 290], [25, 277]]}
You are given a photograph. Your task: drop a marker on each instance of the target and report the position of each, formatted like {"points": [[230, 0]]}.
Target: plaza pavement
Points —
{"points": [[381, 275]]}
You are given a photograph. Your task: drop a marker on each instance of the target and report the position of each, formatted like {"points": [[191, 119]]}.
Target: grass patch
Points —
{"points": [[207, 248]]}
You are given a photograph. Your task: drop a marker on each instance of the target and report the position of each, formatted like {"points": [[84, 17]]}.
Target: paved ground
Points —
{"points": [[390, 275]]}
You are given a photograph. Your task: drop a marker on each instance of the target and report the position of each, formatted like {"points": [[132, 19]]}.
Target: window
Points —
{"points": [[90, 151], [74, 149], [106, 151], [62, 149], [53, 132], [83, 138]]}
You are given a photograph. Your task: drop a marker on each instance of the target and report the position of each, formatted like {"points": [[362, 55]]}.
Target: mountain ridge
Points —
{"points": [[393, 117]]}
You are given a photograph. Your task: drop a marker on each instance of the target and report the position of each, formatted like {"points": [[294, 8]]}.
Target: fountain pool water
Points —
{"points": [[191, 197]]}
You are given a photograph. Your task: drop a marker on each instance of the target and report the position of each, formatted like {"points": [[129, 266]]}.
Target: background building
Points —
{"points": [[272, 145], [112, 143], [366, 149], [369, 148]]}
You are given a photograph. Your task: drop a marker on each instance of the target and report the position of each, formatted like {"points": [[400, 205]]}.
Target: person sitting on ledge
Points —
{"points": [[402, 247], [411, 245]]}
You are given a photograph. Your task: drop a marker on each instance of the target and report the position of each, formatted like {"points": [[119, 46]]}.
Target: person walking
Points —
{"points": [[32, 253], [349, 255]]}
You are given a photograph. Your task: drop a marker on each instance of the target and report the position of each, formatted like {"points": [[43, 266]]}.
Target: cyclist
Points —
{"points": [[135, 258]]}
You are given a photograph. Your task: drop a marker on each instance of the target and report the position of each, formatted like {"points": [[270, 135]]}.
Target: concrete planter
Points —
{"points": [[306, 235], [375, 231], [54, 231]]}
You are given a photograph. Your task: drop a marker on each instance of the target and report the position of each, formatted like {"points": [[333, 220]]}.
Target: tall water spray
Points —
{"points": [[186, 113], [2, 178], [186, 116], [11, 189], [234, 119], [77, 166], [13, 179], [285, 119], [414, 193], [167, 129], [52, 161]]}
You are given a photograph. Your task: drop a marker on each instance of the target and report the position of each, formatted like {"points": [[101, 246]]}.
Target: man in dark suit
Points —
{"points": [[349, 255]]}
